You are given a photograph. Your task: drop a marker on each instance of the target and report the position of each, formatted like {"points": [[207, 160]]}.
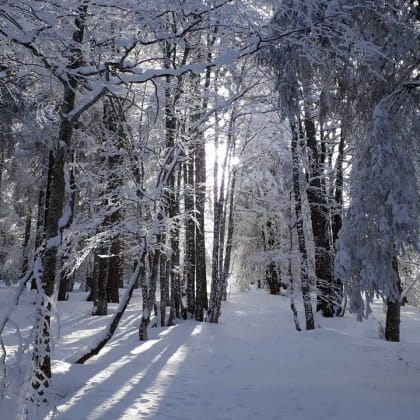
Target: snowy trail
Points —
{"points": [[253, 365]]}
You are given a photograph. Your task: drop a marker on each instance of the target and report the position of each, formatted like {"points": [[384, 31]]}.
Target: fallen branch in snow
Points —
{"points": [[118, 314]]}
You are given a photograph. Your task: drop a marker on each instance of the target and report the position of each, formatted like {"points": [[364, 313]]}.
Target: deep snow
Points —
{"points": [[253, 365]]}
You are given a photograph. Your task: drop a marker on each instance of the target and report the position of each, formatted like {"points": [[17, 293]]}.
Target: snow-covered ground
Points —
{"points": [[253, 365]]}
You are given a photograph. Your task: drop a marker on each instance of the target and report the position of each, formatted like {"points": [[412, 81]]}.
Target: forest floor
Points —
{"points": [[252, 365]]}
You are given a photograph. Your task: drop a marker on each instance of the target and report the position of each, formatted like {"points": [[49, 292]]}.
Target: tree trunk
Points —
{"points": [[53, 227], [223, 203], [176, 298], [291, 288], [42, 341], [65, 277], [393, 309], [213, 313], [228, 249], [201, 304], [101, 304], [26, 238], [271, 273], [337, 218], [43, 197], [115, 270], [272, 278], [189, 264], [149, 297], [306, 290], [320, 224], [164, 289], [114, 137]]}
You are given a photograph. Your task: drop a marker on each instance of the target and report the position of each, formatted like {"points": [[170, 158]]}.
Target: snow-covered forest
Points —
{"points": [[200, 199]]}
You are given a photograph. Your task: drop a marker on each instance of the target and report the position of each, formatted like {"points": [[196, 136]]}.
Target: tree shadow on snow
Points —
{"points": [[123, 375]]}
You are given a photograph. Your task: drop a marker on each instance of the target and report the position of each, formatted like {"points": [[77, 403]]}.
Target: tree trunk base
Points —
{"points": [[392, 324]]}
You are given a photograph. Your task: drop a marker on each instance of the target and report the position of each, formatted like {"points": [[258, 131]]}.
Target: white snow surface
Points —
{"points": [[252, 365]]}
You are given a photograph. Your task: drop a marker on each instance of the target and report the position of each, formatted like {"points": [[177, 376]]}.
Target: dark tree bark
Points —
{"points": [[102, 261], [393, 309], [272, 278], [271, 273], [92, 280], [115, 270]]}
